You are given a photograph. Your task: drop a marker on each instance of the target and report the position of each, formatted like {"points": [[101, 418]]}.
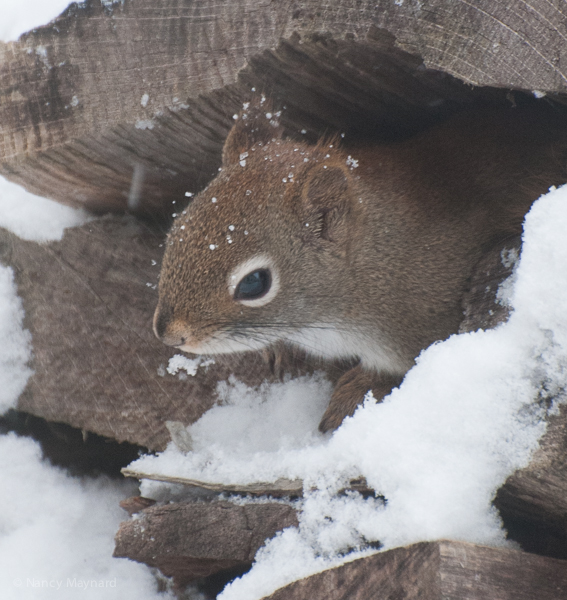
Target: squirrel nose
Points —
{"points": [[162, 327]]}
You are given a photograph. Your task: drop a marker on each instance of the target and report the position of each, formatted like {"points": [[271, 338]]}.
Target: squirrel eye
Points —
{"points": [[254, 285]]}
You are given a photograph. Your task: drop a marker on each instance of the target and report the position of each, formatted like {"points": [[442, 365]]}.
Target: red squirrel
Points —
{"points": [[350, 251]]}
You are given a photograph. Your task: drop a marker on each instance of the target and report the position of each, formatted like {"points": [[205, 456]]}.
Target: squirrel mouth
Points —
{"points": [[223, 345]]}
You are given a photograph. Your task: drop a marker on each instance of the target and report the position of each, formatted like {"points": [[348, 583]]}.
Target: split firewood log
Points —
{"points": [[437, 570], [126, 105], [189, 540]]}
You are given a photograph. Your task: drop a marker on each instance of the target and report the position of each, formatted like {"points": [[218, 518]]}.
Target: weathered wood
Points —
{"points": [[277, 489], [192, 540], [437, 570], [136, 504], [129, 103], [89, 301]]}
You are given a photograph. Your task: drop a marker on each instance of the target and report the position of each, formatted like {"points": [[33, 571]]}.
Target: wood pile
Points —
{"points": [[124, 108]]}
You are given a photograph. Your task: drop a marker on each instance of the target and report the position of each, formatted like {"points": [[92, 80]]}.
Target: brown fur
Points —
{"points": [[380, 253]]}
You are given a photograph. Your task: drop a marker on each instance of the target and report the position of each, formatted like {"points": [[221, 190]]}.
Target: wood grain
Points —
{"points": [[442, 570], [190, 540], [127, 106]]}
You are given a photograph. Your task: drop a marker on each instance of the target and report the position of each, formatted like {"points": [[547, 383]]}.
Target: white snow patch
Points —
{"points": [[271, 418], [466, 416], [509, 258], [20, 16], [57, 533], [15, 350], [189, 365], [41, 51], [145, 124], [351, 162], [34, 218]]}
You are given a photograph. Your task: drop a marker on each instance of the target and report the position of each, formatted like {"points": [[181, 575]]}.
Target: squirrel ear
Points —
{"points": [[325, 197], [256, 124]]}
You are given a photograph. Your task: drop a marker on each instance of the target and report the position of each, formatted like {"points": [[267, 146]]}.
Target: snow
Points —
{"points": [[15, 349], [145, 124], [465, 417], [56, 532], [178, 362], [20, 16], [34, 218], [271, 418]]}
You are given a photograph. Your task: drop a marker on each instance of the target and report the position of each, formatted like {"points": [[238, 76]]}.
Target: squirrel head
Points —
{"points": [[260, 255]]}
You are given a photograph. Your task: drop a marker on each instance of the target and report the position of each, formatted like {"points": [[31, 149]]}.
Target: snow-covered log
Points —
{"points": [[127, 104], [437, 570], [532, 504]]}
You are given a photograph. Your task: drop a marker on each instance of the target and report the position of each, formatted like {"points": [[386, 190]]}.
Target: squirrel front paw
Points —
{"points": [[349, 393]]}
